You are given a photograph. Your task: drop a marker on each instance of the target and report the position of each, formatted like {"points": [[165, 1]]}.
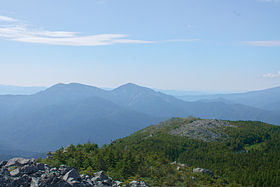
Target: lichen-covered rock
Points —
{"points": [[15, 172]]}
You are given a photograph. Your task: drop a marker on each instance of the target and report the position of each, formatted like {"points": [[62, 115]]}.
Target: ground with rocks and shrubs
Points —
{"points": [[26, 172]]}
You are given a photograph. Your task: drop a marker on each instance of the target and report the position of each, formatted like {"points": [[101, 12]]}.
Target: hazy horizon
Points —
{"points": [[10, 89]]}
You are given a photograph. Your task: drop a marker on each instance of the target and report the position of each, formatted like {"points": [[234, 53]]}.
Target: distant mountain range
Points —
{"points": [[19, 90], [75, 113], [268, 99]]}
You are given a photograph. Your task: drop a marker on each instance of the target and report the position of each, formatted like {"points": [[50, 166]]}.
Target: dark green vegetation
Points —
{"points": [[247, 155]]}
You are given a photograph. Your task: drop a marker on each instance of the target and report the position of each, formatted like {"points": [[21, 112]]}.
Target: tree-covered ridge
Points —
{"points": [[249, 155]]}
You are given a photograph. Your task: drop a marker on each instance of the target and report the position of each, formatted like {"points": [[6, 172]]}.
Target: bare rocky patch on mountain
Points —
{"points": [[209, 130], [206, 130]]}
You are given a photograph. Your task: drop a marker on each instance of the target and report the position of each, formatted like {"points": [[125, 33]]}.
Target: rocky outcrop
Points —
{"points": [[27, 173], [138, 184], [178, 165], [206, 130], [203, 171]]}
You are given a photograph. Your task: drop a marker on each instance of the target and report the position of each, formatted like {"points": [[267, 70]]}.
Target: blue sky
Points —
{"points": [[202, 45]]}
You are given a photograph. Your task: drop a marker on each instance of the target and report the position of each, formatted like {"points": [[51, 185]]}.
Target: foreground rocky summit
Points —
{"points": [[26, 172]]}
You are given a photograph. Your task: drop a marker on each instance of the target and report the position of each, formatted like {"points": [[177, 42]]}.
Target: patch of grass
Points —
{"points": [[258, 146]]}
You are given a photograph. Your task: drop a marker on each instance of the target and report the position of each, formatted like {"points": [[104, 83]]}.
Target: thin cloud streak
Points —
{"points": [[272, 75], [24, 33], [264, 43], [94, 40], [7, 19]]}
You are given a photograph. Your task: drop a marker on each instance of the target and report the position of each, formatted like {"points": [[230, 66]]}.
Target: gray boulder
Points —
{"points": [[29, 169], [72, 174], [3, 163], [64, 169], [23, 181], [117, 183], [34, 182], [4, 172], [99, 177], [138, 184], [18, 162], [203, 171], [27, 173], [15, 172], [52, 179], [40, 166]]}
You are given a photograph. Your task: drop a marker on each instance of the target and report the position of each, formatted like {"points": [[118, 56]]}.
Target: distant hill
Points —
{"points": [[65, 114], [184, 92], [75, 113], [19, 90], [175, 152], [154, 103], [9, 152], [267, 99]]}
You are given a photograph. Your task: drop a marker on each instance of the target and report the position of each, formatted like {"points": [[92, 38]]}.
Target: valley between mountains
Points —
{"points": [[89, 133], [74, 113]]}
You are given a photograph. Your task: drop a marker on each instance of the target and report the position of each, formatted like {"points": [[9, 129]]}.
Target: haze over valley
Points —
{"points": [[75, 113]]}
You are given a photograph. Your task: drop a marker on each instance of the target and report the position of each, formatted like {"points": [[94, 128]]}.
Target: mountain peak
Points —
{"points": [[70, 87], [72, 90], [131, 87]]}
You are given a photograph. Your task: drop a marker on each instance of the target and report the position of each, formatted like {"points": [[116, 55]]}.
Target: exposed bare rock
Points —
{"points": [[138, 184], [206, 130], [203, 171], [26, 173], [18, 162]]}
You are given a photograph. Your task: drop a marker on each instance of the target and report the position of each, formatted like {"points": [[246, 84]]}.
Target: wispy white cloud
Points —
{"points": [[272, 75], [20, 32], [264, 43], [23, 33], [7, 19]]}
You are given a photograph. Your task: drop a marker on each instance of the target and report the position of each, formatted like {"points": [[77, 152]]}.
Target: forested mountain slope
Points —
{"points": [[242, 153]]}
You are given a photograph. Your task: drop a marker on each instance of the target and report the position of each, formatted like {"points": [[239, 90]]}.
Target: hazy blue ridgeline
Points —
{"points": [[75, 113]]}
